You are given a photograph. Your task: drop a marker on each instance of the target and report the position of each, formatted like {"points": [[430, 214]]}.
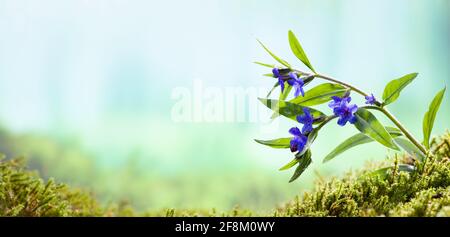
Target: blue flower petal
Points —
{"points": [[297, 90], [293, 145], [370, 99], [353, 108], [300, 81], [281, 82], [293, 76], [295, 131], [336, 101], [307, 128], [276, 72], [342, 121], [337, 111], [301, 119], [307, 112]]}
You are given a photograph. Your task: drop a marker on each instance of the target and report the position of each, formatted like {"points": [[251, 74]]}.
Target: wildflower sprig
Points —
{"points": [[338, 96]]}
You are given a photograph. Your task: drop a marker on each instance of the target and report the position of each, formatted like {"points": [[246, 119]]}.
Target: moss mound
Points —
{"points": [[24, 193], [424, 192]]}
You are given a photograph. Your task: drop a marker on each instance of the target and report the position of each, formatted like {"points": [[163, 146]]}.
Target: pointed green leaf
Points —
{"points": [[356, 140], [410, 148], [368, 124], [290, 164], [393, 88], [430, 115], [298, 50], [275, 56], [303, 163], [276, 143], [265, 64], [288, 109], [320, 94]]}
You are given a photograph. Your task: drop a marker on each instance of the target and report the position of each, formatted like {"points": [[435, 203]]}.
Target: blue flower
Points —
{"points": [[370, 99], [337, 101], [299, 140], [276, 74], [307, 120], [344, 110], [297, 83]]}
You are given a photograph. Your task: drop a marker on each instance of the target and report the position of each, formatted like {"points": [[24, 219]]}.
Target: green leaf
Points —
{"points": [[276, 143], [410, 148], [288, 109], [282, 97], [395, 132], [368, 124], [298, 50], [275, 56], [320, 94], [265, 64], [393, 88], [356, 140], [290, 164], [383, 172], [303, 163], [430, 115]]}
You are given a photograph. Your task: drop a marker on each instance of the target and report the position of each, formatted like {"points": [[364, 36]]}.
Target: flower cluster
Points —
{"points": [[276, 73], [307, 120], [370, 99], [292, 79], [343, 109], [300, 138]]}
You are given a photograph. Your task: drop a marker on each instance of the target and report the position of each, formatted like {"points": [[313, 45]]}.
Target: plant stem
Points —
{"points": [[401, 127], [377, 107], [342, 83], [328, 119]]}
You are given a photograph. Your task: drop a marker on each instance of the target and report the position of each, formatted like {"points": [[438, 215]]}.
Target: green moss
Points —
{"points": [[425, 192], [24, 193], [198, 213]]}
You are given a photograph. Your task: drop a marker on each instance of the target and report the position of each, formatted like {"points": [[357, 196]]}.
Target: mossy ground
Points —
{"points": [[425, 192]]}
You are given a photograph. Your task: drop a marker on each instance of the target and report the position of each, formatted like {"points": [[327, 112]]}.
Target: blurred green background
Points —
{"points": [[86, 90]]}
